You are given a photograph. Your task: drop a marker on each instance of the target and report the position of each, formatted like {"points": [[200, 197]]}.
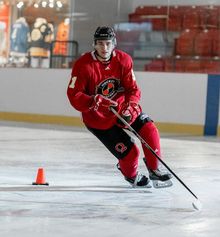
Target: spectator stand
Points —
{"points": [[193, 34]]}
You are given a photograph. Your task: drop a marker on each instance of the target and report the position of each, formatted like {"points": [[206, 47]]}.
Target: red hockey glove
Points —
{"points": [[129, 112], [102, 103]]}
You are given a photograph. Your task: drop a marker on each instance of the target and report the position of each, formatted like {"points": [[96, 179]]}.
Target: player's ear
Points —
{"points": [[115, 42], [94, 43]]}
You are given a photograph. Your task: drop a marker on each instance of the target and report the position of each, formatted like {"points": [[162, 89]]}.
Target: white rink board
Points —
{"points": [[167, 97], [174, 97], [37, 91]]}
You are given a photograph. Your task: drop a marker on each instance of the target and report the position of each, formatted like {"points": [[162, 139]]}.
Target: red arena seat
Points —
{"points": [[185, 43], [216, 43], [175, 18], [203, 43], [151, 10], [212, 66], [212, 17], [191, 19], [179, 65], [157, 65], [194, 66]]}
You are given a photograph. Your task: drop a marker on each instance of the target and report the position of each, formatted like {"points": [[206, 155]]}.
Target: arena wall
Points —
{"points": [[178, 103]]}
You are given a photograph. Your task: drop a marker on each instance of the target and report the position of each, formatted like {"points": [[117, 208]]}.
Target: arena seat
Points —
{"points": [[157, 15], [216, 43], [194, 66], [128, 34], [156, 65], [135, 18], [151, 10], [191, 19], [179, 65], [212, 66], [175, 18], [212, 18], [158, 22], [185, 43], [168, 64], [203, 43]]}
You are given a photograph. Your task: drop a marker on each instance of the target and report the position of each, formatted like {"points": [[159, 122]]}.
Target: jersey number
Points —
{"points": [[72, 83]]}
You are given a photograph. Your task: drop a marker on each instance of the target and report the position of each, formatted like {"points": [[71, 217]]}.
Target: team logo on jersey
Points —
{"points": [[109, 87]]}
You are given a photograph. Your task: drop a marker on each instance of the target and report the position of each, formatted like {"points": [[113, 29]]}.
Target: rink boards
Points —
{"points": [[178, 103]]}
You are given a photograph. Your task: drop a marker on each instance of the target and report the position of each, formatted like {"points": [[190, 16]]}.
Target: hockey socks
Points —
{"points": [[128, 164], [150, 134], [128, 167]]}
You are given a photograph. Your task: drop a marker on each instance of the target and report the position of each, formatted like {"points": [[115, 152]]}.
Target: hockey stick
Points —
{"points": [[196, 205]]}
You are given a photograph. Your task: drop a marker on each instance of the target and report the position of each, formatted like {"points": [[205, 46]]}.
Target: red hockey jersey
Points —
{"points": [[114, 80]]}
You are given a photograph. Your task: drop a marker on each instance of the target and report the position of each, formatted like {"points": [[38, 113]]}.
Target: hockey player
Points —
{"points": [[103, 78]]}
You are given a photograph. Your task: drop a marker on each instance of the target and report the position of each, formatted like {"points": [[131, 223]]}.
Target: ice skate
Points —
{"points": [[159, 175], [159, 179], [139, 181]]}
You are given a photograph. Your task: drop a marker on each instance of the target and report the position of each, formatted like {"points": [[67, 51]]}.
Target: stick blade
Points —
{"points": [[197, 205], [162, 184]]}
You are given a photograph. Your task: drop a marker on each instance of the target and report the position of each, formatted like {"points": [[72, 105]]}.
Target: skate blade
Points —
{"points": [[141, 187], [162, 184]]}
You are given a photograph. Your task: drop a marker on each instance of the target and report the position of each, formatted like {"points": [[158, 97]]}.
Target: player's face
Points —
{"points": [[104, 48]]}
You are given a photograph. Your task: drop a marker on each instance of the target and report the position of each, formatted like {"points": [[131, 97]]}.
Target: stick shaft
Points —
{"points": [[151, 149]]}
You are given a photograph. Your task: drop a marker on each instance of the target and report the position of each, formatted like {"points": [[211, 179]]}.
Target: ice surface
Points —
{"points": [[88, 196]]}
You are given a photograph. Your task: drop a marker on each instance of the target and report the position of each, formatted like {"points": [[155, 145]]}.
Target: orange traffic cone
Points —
{"points": [[40, 180]]}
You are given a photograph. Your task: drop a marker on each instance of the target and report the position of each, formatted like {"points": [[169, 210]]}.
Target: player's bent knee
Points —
{"points": [[141, 120], [133, 154], [148, 128]]}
